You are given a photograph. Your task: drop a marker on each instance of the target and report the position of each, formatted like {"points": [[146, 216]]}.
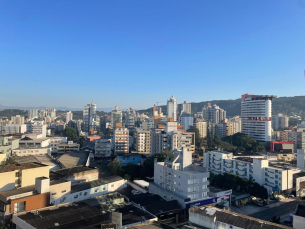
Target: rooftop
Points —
{"points": [[60, 173], [84, 214], [151, 225], [235, 219], [68, 144], [18, 191], [10, 168], [95, 183], [43, 159], [296, 175], [245, 159], [28, 139], [72, 159]]}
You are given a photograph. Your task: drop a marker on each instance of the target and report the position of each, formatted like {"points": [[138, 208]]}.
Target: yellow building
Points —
{"points": [[21, 175]]}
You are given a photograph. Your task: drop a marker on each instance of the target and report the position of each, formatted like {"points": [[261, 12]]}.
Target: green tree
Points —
{"points": [[148, 166], [70, 133], [115, 167]]}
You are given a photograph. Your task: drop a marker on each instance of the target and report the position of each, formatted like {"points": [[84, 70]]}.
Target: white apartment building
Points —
{"points": [[280, 122], [179, 179], [172, 108], [89, 117], [256, 116], [103, 148], [202, 127], [213, 113], [13, 129], [69, 117], [38, 127], [271, 177], [186, 120], [142, 141], [121, 140]]}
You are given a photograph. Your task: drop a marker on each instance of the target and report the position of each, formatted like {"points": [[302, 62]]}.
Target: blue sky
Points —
{"points": [[132, 53]]}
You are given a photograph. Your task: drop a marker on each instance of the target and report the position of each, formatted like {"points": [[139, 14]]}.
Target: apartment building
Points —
{"points": [[280, 122], [186, 120], [142, 141], [38, 127], [55, 141], [70, 146], [17, 120], [256, 116], [172, 109], [130, 118], [103, 148], [90, 118], [121, 139], [180, 180], [186, 108], [16, 176], [170, 138], [11, 129], [69, 117], [201, 125], [213, 113], [272, 177], [7, 144], [116, 117]]}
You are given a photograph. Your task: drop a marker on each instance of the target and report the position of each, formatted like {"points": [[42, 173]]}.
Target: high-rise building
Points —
{"points": [[213, 113], [280, 122], [18, 119], [116, 117], [256, 116], [142, 141], [89, 117], [172, 109], [130, 118], [186, 120], [186, 108], [121, 139], [33, 113], [69, 117], [201, 125]]}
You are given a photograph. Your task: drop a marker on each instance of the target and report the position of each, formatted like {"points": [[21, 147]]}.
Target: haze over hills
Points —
{"points": [[285, 105]]}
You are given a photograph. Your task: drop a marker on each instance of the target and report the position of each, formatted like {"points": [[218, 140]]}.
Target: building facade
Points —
{"points": [[142, 141], [116, 117], [90, 118], [172, 109], [256, 116], [121, 140], [213, 114]]}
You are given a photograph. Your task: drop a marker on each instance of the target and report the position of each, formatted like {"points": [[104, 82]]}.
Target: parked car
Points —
{"points": [[259, 203]]}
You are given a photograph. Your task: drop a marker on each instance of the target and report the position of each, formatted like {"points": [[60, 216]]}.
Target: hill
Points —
{"points": [[285, 105]]}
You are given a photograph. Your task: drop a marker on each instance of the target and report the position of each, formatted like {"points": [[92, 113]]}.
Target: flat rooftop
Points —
{"points": [[151, 225], [84, 214], [14, 167], [28, 139], [244, 159], [67, 144], [219, 151]]}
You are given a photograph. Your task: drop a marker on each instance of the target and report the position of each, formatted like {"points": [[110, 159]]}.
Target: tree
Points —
{"points": [[70, 133], [115, 167], [148, 166]]}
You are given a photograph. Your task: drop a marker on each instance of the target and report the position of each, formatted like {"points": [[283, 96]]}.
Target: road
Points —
{"points": [[283, 209], [102, 166]]}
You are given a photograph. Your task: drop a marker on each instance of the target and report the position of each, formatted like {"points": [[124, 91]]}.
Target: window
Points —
{"points": [[204, 179], [63, 191], [54, 193]]}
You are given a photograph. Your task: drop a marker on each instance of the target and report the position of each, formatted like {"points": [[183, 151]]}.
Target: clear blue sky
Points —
{"points": [[132, 53]]}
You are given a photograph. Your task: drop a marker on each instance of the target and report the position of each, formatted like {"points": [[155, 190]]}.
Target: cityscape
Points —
{"points": [[152, 114]]}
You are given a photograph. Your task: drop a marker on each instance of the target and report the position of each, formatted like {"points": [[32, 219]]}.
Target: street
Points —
{"points": [[281, 210]]}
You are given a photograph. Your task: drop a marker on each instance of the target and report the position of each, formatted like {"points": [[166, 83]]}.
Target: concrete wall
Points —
{"points": [[85, 176], [7, 181], [298, 221], [34, 151], [33, 202], [59, 190], [201, 220], [21, 224], [117, 185], [29, 175]]}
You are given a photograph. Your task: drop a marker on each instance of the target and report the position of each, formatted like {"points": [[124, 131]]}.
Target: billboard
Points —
{"points": [[300, 186], [201, 202]]}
